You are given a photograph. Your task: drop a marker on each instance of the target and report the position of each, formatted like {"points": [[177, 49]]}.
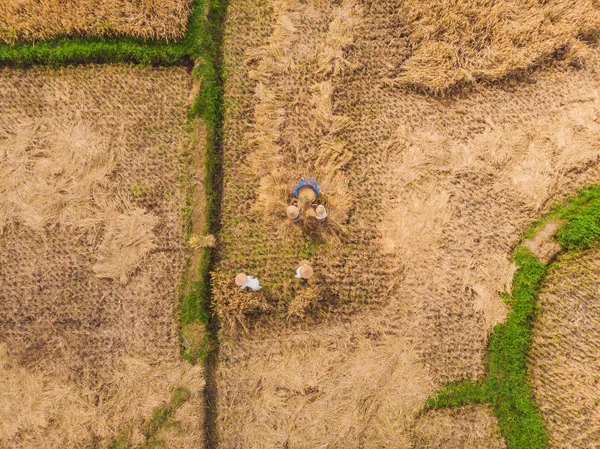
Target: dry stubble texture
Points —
{"points": [[289, 129], [84, 357], [459, 43], [458, 428], [34, 20], [442, 190], [563, 362]]}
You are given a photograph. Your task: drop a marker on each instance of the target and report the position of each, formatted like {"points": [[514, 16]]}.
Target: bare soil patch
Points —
{"points": [[33, 20], [92, 191], [440, 191], [563, 360], [543, 244], [458, 428]]}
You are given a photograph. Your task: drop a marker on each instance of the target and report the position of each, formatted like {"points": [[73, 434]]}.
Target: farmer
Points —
{"points": [[321, 212], [304, 272], [293, 213], [247, 282], [307, 190]]}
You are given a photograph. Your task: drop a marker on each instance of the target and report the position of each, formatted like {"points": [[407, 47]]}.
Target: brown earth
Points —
{"points": [[564, 362], [93, 184], [34, 20], [407, 289], [543, 244], [458, 428]]}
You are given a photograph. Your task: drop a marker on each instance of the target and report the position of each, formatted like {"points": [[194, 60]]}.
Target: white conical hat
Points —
{"points": [[240, 279], [306, 271], [292, 212], [320, 209]]}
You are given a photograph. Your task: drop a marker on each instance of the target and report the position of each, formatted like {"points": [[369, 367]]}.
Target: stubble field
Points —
{"points": [[458, 428], [563, 360], [439, 131], [431, 196], [94, 183]]}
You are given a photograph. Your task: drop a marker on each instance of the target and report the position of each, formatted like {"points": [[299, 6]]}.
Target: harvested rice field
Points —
{"points": [[442, 135], [563, 361], [34, 20], [95, 166], [458, 428], [428, 197], [454, 44]]}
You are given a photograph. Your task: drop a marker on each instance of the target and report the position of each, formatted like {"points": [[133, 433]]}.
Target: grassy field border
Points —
{"points": [[118, 49], [208, 105], [506, 385]]}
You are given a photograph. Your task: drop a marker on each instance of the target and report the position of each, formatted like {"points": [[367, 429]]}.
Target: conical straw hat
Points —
{"points": [[307, 193], [240, 279], [292, 212], [320, 209], [306, 271]]}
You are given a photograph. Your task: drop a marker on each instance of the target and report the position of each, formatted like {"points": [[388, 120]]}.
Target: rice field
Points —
{"points": [[94, 183], [435, 193], [438, 131], [455, 44], [33, 20], [563, 365], [458, 428]]}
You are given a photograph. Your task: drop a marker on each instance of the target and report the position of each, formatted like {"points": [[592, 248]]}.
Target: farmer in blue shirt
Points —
{"points": [[307, 189]]}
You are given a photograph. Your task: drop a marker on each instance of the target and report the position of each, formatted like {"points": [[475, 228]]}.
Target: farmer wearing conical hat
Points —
{"points": [[293, 213], [321, 212], [247, 282], [307, 190], [304, 272]]}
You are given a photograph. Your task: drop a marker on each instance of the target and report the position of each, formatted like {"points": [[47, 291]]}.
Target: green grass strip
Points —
{"points": [[209, 106], [119, 49], [165, 413], [506, 385], [80, 50]]}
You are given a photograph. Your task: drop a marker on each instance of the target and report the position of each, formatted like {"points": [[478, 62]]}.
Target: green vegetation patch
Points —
{"points": [[582, 216], [509, 389], [208, 105], [506, 385]]}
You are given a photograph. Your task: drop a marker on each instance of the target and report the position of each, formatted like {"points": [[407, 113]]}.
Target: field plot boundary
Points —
{"points": [[197, 305], [80, 50], [208, 105], [506, 385]]}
